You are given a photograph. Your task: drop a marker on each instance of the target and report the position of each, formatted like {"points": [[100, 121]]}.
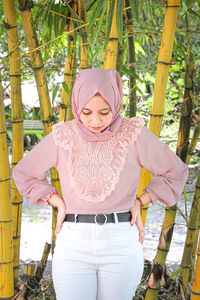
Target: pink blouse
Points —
{"points": [[99, 177]]}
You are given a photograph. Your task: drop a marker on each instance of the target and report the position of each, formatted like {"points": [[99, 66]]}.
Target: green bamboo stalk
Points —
{"points": [[131, 63], [162, 251], [185, 120], [186, 262]]}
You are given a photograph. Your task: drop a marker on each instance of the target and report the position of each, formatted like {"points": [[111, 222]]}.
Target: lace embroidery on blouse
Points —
{"points": [[94, 173]]}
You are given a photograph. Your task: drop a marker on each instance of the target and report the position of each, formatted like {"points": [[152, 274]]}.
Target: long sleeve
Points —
{"points": [[171, 173], [29, 173]]}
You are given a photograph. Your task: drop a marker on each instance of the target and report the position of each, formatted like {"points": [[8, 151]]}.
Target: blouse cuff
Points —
{"points": [[46, 197], [43, 200]]}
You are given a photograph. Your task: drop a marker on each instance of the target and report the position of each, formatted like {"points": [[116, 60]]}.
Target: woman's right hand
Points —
{"points": [[58, 202]]}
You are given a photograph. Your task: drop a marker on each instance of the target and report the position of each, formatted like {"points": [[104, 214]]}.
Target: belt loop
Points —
{"points": [[116, 218], [75, 218]]}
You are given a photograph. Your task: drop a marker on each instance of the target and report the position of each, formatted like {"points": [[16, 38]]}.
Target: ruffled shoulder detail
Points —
{"points": [[130, 129], [62, 133]]}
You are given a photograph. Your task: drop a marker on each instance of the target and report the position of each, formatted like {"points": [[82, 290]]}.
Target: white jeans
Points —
{"points": [[92, 261]]}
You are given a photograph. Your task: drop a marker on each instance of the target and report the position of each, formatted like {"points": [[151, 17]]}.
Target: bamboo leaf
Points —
{"points": [[135, 8], [75, 16], [56, 25], [129, 73], [97, 11], [186, 20], [194, 12], [99, 26], [109, 22], [119, 19], [66, 88], [62, 25]]}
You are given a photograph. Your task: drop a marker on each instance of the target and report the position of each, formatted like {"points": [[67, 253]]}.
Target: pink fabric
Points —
{"points": [[94, 173], [142, 150], [90, 82]]}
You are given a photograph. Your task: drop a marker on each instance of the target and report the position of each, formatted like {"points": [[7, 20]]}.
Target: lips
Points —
{"points": [[96, 128]]}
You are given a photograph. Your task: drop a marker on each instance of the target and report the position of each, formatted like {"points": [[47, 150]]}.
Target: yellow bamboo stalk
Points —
{"points": [[196, 284], [192, 227], [82, 15], [6, 225], [65, 107], [17, 124], [68, 75], [41, 82], [109, 56], [37, 66], [164, 61], [194, 253]]}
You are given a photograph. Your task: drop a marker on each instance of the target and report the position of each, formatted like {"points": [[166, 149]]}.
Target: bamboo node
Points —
{"points": [[26, 5], [8, 26], [164, 62]]}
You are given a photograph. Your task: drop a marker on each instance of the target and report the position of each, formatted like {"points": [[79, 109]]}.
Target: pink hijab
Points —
{"points": [[90, 82]]}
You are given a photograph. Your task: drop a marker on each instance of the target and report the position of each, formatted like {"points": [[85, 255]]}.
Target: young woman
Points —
{"points": [[99, 156]]}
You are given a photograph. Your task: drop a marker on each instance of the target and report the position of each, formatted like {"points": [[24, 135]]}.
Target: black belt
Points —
{"points": [[99, 218]]}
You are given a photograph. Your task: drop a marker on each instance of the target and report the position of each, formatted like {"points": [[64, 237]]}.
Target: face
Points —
{"points": [[96, 115]]}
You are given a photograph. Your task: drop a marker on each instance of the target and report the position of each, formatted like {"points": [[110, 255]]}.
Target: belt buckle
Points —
{"points": [[98, 217]]}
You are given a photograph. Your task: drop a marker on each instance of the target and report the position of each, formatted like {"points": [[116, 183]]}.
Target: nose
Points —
{"points": [[95, 120]]}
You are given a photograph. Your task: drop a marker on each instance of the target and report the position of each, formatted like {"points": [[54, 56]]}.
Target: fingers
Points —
{"points": [[135, 211], [140, 228]]}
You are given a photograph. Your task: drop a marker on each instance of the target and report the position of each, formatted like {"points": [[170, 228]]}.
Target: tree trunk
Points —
{"points": [[17, 125], [6, 224]]}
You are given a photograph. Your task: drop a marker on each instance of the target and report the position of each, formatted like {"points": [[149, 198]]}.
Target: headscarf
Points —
{"points": [[88, 83]]}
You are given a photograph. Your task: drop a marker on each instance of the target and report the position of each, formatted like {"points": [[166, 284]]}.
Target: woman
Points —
{"points": [[99, 156]]}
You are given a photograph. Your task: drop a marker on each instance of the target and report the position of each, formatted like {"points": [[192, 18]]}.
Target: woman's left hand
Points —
{"points": [[137, 219]]}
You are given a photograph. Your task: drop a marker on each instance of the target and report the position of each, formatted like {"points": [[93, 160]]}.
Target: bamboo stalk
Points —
{"points": [[185, 120], [40, 268], [109, 56], [193, 142], [164, 61], [194, 253], [131, 63], [192, 228], [37, 64], [68, 75], [6, 225], [41, 82], [196, 284], [82, 15], [17, 125], [162, 251]]}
